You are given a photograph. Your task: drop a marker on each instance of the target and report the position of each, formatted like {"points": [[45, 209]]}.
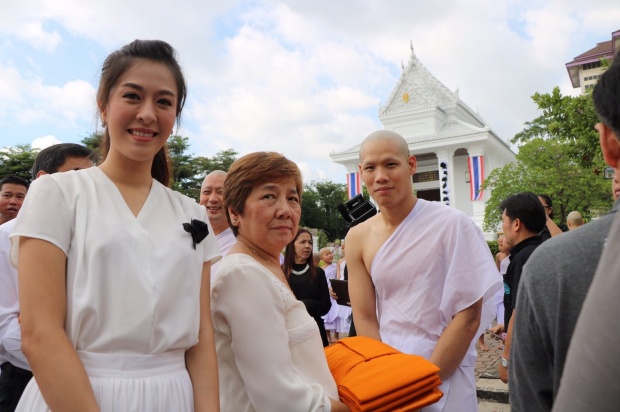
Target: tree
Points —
{"points": [[187, 171], [559, 156], [223, 160], [17, 161], [93, 141], [187, 175], [319, 209], [566, 119], [548, 166]]}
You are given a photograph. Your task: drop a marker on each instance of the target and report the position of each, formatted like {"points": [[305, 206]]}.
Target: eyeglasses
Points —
{"points": [[547, 207]]}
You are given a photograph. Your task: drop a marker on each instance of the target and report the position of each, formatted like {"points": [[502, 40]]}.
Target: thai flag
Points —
{"points": [[476, 176], [354, 184]]}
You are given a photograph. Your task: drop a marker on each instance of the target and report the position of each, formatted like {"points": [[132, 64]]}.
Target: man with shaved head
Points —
{"points": [[421, 276], [574, 220], [211, 197]]}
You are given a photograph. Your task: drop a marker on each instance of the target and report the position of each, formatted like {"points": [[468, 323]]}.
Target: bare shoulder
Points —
{"points": [[365, 239]]}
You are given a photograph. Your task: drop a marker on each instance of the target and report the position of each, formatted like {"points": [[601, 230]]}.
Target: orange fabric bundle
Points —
{"points": [[373, 376]]}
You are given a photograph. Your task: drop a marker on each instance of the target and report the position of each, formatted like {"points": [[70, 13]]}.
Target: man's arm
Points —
{"points": [[453, 343], [361, 288], [503, 371]]}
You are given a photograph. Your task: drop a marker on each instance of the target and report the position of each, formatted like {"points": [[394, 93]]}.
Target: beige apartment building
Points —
{"points": [[586, 69]]}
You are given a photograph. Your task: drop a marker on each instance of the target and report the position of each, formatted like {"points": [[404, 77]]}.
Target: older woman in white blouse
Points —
{"points": [[269, 350]]}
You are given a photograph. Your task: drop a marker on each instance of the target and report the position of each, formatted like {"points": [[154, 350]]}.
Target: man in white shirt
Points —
{"points": [[15, 370], [211, 197], [13, 190]]}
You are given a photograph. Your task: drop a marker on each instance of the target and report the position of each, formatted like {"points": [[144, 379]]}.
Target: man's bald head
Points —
{"points": [[574, 220], [214, 174], [386, 135], [211, 196]]}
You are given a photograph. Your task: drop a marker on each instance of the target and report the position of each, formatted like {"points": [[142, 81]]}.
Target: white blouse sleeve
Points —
{"points": [[249, 307], [44, 215]]}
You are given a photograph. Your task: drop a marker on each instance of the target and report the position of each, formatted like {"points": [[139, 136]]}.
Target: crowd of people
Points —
{"points": [[119, 294]]}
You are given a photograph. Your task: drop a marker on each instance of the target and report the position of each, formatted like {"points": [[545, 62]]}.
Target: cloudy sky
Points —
{"points": [[303, 78]]}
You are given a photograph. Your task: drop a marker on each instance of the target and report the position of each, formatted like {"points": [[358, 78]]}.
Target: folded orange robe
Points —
{"points": [[373, 376]]}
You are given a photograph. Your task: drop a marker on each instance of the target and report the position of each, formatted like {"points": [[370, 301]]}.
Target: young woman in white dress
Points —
{"points": [[269, 350], [114, 266]]}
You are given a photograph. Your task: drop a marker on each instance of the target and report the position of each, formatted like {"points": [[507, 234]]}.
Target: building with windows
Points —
{"points": [[454, 146], [585, 69]]}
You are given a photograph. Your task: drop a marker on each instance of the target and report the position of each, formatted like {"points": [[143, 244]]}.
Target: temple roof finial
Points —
{"points": [[411, 45]]}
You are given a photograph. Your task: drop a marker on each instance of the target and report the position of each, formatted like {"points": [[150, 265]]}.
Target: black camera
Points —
{"points": [[357, 210]]}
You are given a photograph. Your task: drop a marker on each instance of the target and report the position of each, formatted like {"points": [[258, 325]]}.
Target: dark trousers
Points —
{"points": [[13, 381], [352, 331]]}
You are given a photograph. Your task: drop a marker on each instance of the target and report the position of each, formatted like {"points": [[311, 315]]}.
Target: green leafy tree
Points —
{"points": [[566, 119], [559, 156], [319, 209], [17, 161], [93, 141], [186, 176], [223, 160], [188, 171], [549, 166]]}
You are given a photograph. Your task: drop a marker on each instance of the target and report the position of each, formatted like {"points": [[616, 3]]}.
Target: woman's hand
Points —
{"points": [[332, 294]]}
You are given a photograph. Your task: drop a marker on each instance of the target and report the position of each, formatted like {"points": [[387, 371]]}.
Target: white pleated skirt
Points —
{"points": [[128, 383]]}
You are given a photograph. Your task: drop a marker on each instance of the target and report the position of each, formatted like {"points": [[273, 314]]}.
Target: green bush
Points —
{"points": [[493, 246]]}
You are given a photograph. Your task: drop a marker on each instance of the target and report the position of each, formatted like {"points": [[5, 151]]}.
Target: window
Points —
{"points": [[592, 65]]}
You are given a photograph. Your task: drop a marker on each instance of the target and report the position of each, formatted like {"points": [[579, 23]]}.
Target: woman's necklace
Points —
{"points": [[277, 268], [300, 272]]}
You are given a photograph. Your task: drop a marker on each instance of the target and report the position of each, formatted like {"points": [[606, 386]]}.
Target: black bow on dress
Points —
{"points": [[198, 229]]}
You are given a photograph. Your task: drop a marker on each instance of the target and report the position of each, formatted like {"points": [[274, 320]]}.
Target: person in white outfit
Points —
{"points": [[421, 275], [269, 350], [331, 272], [16, 372], [211, 197], [114, 266]]}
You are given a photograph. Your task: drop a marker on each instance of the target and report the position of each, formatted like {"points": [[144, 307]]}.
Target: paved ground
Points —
{"points": [[492, 392]]}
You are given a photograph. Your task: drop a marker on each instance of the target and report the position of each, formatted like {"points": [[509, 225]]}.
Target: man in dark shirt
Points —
{"points": [[523, 217]]}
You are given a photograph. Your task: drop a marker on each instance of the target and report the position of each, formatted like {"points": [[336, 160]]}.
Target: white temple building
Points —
{"points": [[454, 147]]}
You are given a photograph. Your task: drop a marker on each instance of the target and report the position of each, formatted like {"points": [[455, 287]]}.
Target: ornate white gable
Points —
{"points": [[417, 88]]}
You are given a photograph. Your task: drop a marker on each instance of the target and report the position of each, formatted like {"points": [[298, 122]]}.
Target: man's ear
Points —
{"points": [[517, 223], [413, 165], [610, 145], [40, 173]]}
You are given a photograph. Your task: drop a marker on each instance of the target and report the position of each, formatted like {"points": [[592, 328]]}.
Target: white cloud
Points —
{"points": [[306, 78], [33, 33], [44, 141], [29, 102]]}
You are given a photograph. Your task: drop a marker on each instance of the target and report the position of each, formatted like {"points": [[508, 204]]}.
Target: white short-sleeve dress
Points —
{"points": [[132, 285]]}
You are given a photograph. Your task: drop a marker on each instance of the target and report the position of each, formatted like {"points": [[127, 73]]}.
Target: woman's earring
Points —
{"points": [[104, 124]]}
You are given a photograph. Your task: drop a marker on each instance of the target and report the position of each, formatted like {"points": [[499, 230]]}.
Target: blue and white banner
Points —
{"points": [[476, 176], [354, 184]]}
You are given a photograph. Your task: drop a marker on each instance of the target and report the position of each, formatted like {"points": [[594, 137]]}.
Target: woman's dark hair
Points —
{"points": [[251, 171], [115, 66], [549, 203], [289, 256]]}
